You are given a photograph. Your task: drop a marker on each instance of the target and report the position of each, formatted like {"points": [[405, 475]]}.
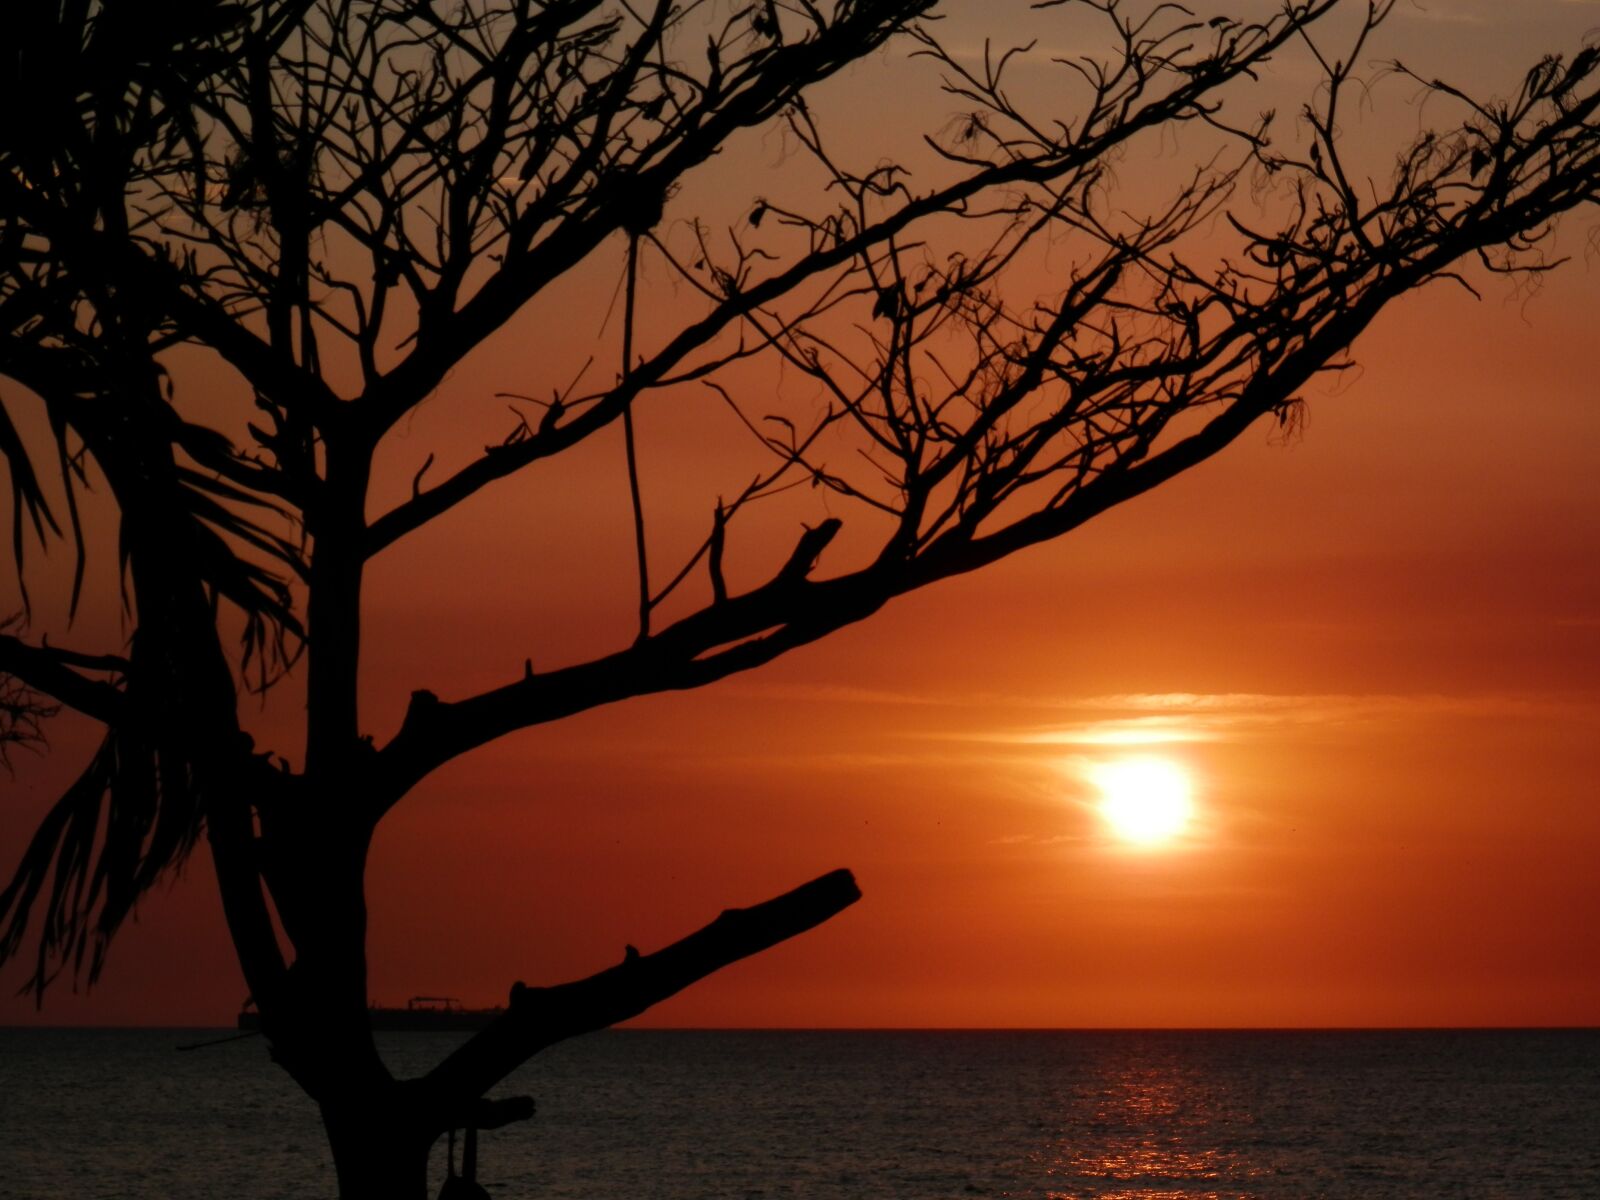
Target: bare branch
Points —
{"points": [[540, 1017], [59, 674]]}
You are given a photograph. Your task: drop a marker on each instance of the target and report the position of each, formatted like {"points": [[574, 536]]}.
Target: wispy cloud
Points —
{"points": [[1137, 718], [832, 693], [1171, 718], [1140, 731], [853, 761], [936, 731]]}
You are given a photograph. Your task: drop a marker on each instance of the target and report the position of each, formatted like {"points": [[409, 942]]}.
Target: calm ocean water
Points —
{"points": [[840, 1116]]}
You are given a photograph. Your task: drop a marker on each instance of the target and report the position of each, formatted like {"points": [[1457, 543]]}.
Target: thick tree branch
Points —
{"points": [[51, 672], [541, 1017]]}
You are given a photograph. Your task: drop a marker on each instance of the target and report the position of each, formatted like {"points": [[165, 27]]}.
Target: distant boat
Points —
{"points": [[421, 1013]]}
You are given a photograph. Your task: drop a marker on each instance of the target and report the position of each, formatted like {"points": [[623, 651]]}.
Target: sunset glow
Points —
{"points": [[1145, 800], [1304, 737]]}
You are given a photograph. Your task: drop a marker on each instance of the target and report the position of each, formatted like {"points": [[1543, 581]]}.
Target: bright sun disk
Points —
{"points": [[1144, 800]]}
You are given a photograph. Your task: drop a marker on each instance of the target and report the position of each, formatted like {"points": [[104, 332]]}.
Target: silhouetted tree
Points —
{"points": [[340, 200]]}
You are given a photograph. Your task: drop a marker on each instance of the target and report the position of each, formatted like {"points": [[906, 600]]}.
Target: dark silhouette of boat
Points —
{"points": [[421, 1014]]}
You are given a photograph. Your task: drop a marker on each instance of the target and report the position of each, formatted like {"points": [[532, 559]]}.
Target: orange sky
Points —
{"points": [[1377, 649]]}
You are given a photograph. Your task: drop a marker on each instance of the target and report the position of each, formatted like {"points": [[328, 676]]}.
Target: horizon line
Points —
{"points": [[1484, 1028]]}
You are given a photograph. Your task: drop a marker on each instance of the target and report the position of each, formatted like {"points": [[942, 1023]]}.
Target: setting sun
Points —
{"points": [[1144, 800]]}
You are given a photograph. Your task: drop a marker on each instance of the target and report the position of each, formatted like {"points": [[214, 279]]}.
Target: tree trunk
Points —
{"points": [[379, 1153], [321, 1029]]}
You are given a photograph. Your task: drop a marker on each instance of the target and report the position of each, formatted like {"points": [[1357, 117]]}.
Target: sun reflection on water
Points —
{"points": [[1154, 1133]]}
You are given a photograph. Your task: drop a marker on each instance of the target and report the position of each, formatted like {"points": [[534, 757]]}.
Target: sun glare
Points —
{"points": [[1144, 800]]}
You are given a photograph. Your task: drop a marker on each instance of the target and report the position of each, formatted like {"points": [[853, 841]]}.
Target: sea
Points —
{"points": [[878, 1115]]}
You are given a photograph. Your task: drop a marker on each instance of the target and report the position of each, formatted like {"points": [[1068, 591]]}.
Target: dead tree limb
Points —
{"points": [[538, 1017]]}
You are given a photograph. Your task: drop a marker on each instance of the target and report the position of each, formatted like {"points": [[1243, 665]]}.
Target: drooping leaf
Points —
{"points": [[28, 501], [130, 817]]}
